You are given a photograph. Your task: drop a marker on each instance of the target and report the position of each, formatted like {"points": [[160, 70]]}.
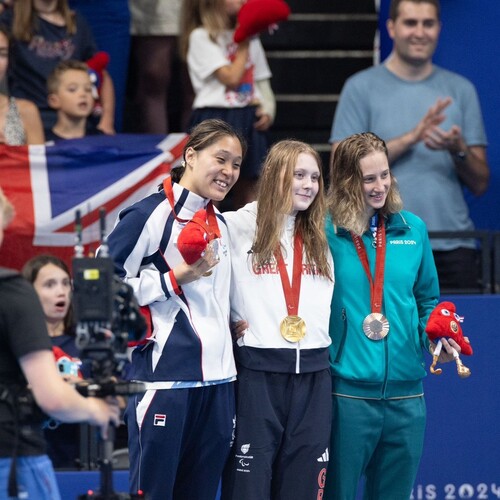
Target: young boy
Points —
{"points": [[70, 93]]}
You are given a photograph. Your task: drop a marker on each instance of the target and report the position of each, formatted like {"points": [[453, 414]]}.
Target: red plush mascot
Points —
{"points": [[97, 64], [256, 16], [195, 237], [444, 322]]}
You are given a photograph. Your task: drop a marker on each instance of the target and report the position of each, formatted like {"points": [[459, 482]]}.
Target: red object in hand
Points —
{"points": [[194, 237], [444, 322], [256, 16]]}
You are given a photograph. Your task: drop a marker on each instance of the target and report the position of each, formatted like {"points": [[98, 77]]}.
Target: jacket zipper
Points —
{"points": [[343, 316]]}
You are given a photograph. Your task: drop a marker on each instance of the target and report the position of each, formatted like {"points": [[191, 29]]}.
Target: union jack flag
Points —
{"points": [[47, 184]]}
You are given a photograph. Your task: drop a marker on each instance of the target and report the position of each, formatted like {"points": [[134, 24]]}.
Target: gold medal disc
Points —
{"points": [[293, 328], [376, 326]]}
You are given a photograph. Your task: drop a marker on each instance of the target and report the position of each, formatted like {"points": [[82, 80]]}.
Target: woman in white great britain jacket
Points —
{"points": [[184, 421], [281, 287]]}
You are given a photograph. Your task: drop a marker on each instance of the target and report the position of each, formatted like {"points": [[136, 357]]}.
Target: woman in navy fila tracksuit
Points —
{"points": [[180, 429]]}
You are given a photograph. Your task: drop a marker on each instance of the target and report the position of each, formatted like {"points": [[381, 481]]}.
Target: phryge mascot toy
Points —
{"points": [[444, 322], [256, 16]]}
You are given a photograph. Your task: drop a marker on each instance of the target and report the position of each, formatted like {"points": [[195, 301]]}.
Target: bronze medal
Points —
{"points": [[293, 328], [376, 326]]}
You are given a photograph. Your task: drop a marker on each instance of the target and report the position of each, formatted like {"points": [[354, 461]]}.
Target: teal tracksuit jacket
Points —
{"points": [[394, 366]]}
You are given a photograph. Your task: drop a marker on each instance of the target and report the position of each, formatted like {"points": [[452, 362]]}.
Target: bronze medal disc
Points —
{"points": [[376, 326], [293, 328]]}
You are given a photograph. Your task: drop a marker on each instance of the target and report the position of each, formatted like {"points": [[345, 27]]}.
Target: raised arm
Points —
{"points": [[231, 74], [107, 122]]}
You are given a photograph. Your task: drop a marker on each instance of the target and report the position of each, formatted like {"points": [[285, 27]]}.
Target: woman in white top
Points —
{"points": [[282, 285]]}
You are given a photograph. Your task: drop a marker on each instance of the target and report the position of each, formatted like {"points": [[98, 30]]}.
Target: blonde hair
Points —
{"points": [[211, 14], [346, 198], [54, 79], [25, 20], [6, 208], [275, 201]]}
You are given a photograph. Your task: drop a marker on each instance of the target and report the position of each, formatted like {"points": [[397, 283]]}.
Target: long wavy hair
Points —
{"points": [[346, 199], [275, 201], [30, 271], [211, 14], [25, 20]]}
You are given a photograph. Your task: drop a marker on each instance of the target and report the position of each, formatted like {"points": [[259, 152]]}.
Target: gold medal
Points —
{"points": [[293, 328], [376, 326]]}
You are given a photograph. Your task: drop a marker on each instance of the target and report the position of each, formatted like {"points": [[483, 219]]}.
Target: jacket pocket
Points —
{"points": [[343, 316]]}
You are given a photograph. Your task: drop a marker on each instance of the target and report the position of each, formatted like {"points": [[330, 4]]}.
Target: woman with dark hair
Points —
{"points": [[51, 279], [184, 421]]}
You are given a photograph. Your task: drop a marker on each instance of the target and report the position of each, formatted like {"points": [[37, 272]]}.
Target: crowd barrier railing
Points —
{"points": [[488, 245]]}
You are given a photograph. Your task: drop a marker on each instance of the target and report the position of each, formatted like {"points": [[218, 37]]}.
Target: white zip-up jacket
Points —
{"points": [[257, 297]]}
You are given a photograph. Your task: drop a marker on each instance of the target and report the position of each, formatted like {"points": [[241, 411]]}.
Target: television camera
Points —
{"points": [[107, 317]]}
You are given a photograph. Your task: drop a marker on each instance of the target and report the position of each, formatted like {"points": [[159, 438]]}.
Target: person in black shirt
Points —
{"points": [[26, 359]]}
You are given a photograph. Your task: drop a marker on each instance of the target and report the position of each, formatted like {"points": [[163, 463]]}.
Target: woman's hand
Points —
{"points": [[446, 354], [262, 120], [185, 273], [238, 329]]}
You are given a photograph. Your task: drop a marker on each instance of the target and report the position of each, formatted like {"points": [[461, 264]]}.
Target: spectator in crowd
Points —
{"points": [[20, 121], [231, 81], [386, 286], [184, 420], [51, 279], [282, 285], [44, 33], [161, 92], [26, 359], [70, 94], [432, 123]]}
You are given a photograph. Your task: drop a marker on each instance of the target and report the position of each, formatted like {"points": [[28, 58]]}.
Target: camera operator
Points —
{"points": [[26, 359]]}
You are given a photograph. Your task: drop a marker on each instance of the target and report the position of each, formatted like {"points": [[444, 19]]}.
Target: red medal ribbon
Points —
{"points": [[291, 290], [212, 228], [377, 286]]}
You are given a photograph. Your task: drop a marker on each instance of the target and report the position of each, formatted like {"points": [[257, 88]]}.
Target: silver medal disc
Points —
{"points": [[375, 326]]}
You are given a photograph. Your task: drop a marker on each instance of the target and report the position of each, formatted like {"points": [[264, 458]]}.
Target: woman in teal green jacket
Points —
{"points": [[386, 287]]}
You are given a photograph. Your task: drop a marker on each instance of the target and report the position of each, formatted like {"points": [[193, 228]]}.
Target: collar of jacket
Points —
{"points": [[394, 223]]}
